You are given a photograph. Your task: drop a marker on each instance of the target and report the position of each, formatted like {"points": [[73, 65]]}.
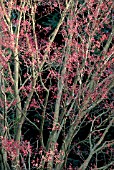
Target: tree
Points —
{"points": [[68, 87]]}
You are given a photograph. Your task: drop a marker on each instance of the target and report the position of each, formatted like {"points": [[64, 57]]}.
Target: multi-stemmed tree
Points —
{"points": [[63, 89]]}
